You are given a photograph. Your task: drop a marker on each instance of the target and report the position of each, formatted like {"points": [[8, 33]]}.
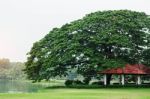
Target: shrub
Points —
{"points": [[69, 82], [98, 83], [86, 80], [78, 82]]}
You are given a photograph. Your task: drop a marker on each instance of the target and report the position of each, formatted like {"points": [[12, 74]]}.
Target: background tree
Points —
{"points": [[11, 70], [4, 66], [4, 63], [98, 41]]}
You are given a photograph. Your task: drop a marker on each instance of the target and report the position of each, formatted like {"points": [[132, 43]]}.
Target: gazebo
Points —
{"points": [[136, 69]]}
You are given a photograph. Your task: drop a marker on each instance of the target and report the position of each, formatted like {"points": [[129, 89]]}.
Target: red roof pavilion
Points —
{"points": [[128, 69]]}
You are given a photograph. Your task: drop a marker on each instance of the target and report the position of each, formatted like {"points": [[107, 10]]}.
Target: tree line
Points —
{"points": [[11, 70]]}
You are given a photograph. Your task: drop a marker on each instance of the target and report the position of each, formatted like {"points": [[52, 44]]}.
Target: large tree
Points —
{"points": [[98, 41]]}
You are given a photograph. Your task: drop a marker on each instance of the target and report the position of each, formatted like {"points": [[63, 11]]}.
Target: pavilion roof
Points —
{"points": [[128, 69]]}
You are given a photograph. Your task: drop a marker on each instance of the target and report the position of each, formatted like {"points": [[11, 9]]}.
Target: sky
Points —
{"points": [[23, 22]]}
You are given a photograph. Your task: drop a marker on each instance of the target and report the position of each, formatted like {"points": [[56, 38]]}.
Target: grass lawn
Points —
{"points": [[118, 93]]}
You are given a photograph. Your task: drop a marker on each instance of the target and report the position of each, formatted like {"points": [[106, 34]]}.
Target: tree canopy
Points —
{"points": [[98, 41]]}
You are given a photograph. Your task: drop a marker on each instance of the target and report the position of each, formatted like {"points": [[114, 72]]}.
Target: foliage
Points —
{"points": [[73, 82], [16, 70], [98, 83], [98, 41], [11, 70], [78, 82], [4, 63], [68, 82]]}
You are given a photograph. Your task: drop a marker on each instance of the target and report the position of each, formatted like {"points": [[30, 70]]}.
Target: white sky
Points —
{"points": [[22, 22]]}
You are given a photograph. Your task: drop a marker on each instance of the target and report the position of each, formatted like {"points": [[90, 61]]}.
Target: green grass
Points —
{"points": [[68, 93]]}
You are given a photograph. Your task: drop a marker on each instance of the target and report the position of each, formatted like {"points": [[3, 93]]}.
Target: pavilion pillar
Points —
{"points": [[122, 79], [138, 79], [105, 79]]}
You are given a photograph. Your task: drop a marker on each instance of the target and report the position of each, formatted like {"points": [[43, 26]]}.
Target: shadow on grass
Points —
{"points": [[98, 86]]}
